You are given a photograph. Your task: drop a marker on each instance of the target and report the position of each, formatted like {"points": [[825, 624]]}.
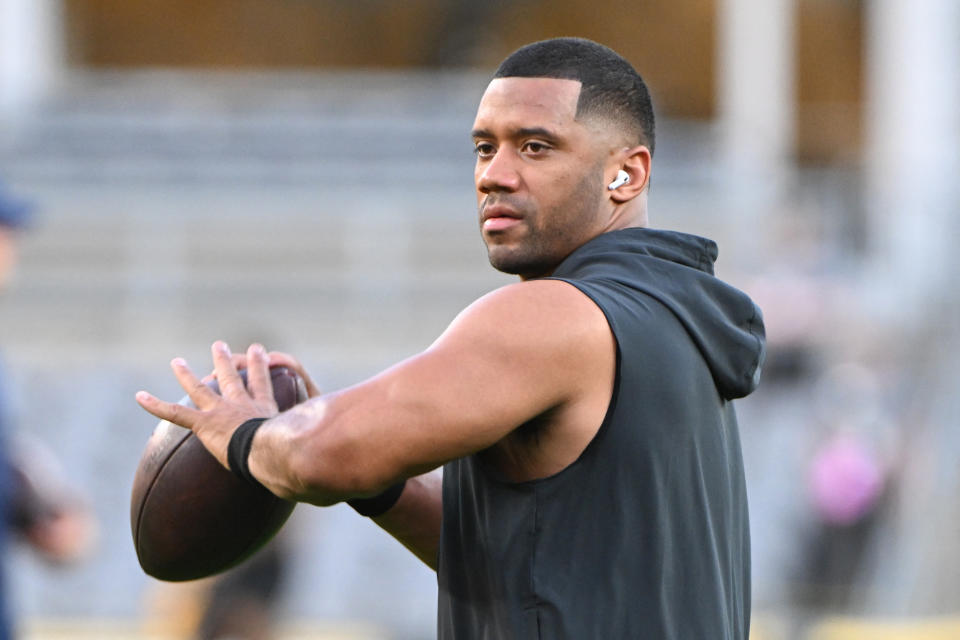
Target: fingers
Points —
{"points": [[279, 359], [175, 413], [231, 384], [201, 395], [233, 392], [239, 363], [258, 374]]}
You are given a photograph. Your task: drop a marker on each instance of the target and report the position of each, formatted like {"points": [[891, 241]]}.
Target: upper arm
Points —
{"points": [[513, 355]]}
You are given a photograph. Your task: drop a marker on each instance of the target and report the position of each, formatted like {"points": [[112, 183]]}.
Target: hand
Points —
{"points": [[64, 537], [275, 359], [216, 417]]}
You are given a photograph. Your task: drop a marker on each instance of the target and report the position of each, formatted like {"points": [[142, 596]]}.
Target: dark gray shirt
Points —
{"points": [[645, 535]]}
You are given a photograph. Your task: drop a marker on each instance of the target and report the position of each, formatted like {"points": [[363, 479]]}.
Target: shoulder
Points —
{"points": [[535, 305], [540, 322]]}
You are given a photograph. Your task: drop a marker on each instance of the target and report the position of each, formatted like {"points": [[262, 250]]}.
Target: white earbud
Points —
{"points": [[622, 178]]}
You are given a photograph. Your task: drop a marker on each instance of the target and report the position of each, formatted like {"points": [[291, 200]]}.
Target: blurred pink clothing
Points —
{"points": [[845, 480]]}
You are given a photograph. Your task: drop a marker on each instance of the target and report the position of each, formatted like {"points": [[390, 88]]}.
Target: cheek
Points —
{"points": [[565, 195], [576, 201], [555, 191]]}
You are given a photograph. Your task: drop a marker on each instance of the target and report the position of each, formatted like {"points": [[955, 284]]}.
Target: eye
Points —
{"points": [[535, 147], [484, 149]]}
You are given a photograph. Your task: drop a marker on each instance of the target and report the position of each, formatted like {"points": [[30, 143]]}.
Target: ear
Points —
{"points": [[636, 162]]}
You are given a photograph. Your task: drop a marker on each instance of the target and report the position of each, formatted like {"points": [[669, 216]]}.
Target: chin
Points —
{"points": [[503, 260], [524, 266]]}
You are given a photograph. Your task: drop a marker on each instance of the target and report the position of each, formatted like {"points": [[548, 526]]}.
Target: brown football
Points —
{"points": [[191, 517]]}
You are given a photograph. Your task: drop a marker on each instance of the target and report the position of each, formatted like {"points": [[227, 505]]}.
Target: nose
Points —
{"points": [[498, 173]]}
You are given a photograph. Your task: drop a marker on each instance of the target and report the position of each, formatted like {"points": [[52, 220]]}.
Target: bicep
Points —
{"points": [[510, 357]]}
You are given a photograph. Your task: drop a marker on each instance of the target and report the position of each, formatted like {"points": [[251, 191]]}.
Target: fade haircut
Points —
{"points": [[610, 86]]}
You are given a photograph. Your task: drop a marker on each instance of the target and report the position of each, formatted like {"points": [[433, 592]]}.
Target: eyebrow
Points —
{"points": [[524, 132]]}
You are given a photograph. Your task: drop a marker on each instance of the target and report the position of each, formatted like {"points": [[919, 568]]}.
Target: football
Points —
{"points": [[191, 517]]}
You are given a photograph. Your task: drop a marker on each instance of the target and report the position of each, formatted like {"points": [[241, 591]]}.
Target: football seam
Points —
{"points": [[146, 494]]}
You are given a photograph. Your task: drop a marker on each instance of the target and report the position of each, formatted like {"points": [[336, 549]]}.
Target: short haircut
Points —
{"points": [[610, 86]]}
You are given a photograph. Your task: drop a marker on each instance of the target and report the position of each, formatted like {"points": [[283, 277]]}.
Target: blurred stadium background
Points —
{"points": [[299, 172]]}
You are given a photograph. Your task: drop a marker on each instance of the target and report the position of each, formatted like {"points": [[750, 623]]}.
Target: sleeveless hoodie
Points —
{"points": [[646, 534]]}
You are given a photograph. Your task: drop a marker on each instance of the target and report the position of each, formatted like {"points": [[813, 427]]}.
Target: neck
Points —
{"points": [[632, 213]]}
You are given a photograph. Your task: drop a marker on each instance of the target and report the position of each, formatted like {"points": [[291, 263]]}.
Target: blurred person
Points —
{"points": [[14, 215], [592, 481], [851, 474], [242, 602], [36, 501], [239, 604]]}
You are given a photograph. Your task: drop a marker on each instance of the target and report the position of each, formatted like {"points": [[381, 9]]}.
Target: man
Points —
{"points": [[592, 478], [35, 502]]}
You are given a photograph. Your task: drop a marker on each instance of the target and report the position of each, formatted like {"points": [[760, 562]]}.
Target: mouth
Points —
{"points": [[498, 218]]}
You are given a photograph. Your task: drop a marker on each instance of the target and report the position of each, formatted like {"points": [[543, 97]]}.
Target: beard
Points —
{"points": [[550, 234], [537, 255]]}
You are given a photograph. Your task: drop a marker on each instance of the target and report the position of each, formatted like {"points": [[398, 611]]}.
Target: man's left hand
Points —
{"points": [[216, 417]]}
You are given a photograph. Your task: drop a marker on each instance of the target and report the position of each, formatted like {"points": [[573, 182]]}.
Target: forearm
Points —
{"points": [[293, 456], [415, 519], [324, 452]]}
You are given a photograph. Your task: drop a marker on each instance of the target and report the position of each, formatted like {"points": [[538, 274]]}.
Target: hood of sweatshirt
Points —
{"points": [[676, 269]]}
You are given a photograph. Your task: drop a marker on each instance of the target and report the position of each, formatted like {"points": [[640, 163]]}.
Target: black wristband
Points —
{"points": [[379, 504], [238, 451]]}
